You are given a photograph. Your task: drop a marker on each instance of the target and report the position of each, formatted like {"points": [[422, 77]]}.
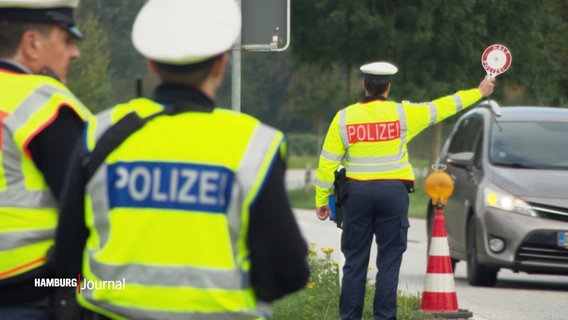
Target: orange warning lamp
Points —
{"points": [[439, 185]]}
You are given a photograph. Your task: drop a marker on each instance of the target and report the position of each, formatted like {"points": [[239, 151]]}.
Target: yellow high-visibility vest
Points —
{"points": [[28, 214], [370, 138], [168, 212]]}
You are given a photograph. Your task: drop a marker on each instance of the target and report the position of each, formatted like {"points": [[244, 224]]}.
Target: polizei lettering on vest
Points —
{"points": [[373, 132], [179, 186]]}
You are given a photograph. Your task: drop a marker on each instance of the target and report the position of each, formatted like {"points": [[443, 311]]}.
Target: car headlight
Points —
{"points": [[504, 201]]}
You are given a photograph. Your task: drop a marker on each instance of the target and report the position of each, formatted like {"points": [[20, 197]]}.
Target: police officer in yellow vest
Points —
{"points": [[370, 139], [185, 210], [40, 122]]}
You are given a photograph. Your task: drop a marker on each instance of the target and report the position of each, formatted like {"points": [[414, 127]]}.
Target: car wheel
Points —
{"points": [[477, 275]]}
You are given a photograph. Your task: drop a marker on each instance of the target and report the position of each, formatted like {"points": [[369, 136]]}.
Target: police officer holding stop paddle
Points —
{"points": [[369, 138]]}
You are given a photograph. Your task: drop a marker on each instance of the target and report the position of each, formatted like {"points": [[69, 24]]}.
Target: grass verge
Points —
{"points": [[303, 199], [319, 300], [300, 162]]}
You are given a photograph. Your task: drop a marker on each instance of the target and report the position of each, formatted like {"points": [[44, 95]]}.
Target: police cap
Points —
{"points": [[43, 11], [185, 32], [379, 69]]}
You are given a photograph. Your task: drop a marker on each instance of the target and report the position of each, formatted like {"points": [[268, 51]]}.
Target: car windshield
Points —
{"points": [[535, 145]]}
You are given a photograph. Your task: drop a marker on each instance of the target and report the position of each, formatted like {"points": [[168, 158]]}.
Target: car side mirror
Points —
{"points": [[493, 105], [461, 159]]}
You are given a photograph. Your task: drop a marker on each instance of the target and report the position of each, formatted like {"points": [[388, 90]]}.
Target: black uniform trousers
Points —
{"points": [[378, 208]]}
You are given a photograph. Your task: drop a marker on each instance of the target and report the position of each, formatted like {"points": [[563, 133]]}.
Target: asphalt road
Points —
{"points": [[516, 296]]}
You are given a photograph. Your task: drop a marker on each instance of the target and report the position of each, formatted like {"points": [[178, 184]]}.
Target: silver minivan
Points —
{"points": [[509, 208]]}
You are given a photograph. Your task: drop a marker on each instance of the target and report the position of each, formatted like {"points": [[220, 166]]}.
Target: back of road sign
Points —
{"points": [[266, 25]]}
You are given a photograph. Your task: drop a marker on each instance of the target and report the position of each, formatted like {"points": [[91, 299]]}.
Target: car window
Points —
{"points": [[478, 149], [523, 144], [467, 137]]}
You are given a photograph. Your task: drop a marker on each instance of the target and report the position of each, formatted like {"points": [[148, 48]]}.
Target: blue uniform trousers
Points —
{"points": [[377, 208]]}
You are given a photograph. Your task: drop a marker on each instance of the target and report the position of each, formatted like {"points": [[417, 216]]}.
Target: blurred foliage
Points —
{"points": [[319, 300], [436, 44], [265, 78], [88, 75], [303, 144], [304, 198], [107, 52], [302, 162]]}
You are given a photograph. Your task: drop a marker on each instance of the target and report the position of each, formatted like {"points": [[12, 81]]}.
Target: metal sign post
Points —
{"points": [[236, 73], [265, 27]]}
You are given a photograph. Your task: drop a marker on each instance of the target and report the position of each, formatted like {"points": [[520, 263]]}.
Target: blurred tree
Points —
{"points": [[89, 75], [552, 62], [317, 95], [437, 44], [126, 64], [265, 79], [265, 76]]}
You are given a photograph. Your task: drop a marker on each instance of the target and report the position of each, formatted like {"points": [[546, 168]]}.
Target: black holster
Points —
{"points": [[409, 185], [65, 306], [340, 193]]}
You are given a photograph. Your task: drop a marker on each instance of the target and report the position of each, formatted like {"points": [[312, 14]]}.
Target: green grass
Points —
{"points": [[319, 300], [301, 199], [417, 206], [418, 201], [300, 162], [305, 200]]}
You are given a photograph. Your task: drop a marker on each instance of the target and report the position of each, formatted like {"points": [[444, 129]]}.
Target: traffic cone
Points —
{"points": [[439, 297]]}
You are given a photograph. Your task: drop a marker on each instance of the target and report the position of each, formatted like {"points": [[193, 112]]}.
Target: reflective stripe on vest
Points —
{"points": [[16, 194], [373, 145], [374, 164], [15, 239], [98, 126], [112, 309], [26, 204], [29, 186], [433, 113], [458, 101], [224, 283]]}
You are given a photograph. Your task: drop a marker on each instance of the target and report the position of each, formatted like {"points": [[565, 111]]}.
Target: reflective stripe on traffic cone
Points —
{"points": [[439, 296]]}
